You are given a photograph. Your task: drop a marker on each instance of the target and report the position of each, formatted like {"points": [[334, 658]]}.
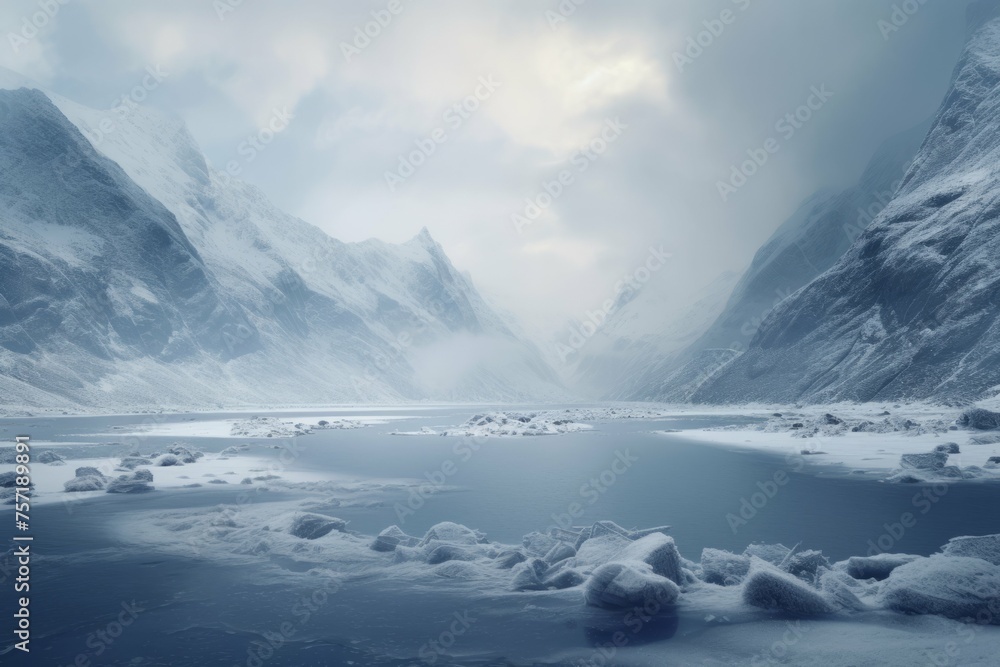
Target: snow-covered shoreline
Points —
{"points": [[868, 439]]}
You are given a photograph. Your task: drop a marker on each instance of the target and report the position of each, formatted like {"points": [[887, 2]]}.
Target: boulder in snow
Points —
{"points": [[314, 526], [628, 585]]}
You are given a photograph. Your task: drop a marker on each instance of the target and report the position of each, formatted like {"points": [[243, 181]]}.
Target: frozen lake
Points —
{"points": [[201, 608]]}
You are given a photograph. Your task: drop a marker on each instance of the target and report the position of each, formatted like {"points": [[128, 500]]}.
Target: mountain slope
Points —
{"points": [[213, 294], [811, 241], [910, 312]]}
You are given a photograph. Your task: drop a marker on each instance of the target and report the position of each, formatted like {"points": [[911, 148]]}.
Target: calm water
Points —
{"points": [[199, 613]]}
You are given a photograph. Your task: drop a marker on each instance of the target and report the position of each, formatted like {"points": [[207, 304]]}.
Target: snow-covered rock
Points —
{"points": [[628, 585], [509, 424], [877, 567], [950, 586], [724, 568], [313, 526], [986, 547], [769, 588], [139, 481]]}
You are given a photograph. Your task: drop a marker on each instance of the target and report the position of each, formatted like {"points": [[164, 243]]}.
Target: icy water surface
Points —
{"points": [[200, 610]]}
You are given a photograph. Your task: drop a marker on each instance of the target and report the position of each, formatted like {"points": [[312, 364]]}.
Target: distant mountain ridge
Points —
{"points": [[135, 274], [911, 310]]}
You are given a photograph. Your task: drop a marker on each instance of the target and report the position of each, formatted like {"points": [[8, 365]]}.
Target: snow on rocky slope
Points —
{"points": [[805, 246], [911, 311], [147, 277], [642, 332]]}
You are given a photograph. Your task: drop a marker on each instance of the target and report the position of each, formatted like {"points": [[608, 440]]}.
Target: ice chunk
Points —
{"points": [[133, 462], [233, 450], [979, 419], [806, 564], [839, 588], [51, 458], [929, 461], [78, 484], [313, 526], [454, 533], [608, 528], [391, 537], [539, 544], [559, 552], [986, 547], [769, 588], [954, 587], [137, 482], [168, 460], [509, 558], [775, 554], [628, 585], [876, 567], [88, 471], [565, 578], [948, 448], [528, 575], [601, 550], [185, 454], [446, 552], [659, 552], [637, 534], [723, 567]]}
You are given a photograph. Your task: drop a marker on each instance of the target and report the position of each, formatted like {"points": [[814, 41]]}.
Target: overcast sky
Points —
{"points": [[548, 83]]}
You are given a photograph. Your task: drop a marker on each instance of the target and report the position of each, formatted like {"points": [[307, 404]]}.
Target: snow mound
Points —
{"points": [[51, 458], [314, 526], [724, 568], [513, 424], [986, 548], [392, 537], [86, 479], [629, 585], [136, 482], [659, 552], [877, 567], [953, 587], [767, 587], [979, 419]]}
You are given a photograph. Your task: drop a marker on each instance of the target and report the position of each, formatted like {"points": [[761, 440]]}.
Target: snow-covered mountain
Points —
{"points": [[135, 274], [806, 245], [644, 331], [911, 310]]}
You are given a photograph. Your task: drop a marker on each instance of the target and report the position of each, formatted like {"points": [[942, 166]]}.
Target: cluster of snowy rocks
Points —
{"points": [[829, 425], [933, 467], [511, 424], [273, 427], [616, 568], [135, 476]]}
